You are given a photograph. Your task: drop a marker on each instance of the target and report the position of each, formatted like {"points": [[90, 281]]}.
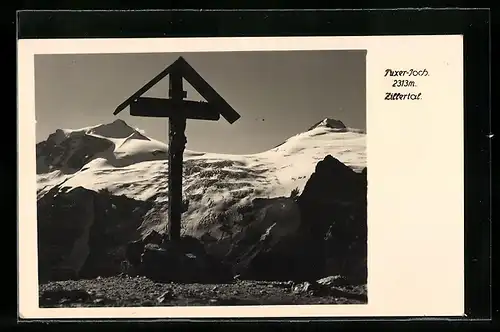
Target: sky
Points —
{"points": [[277, 93]]}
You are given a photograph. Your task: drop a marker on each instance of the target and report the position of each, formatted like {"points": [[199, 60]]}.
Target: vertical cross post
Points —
{"points": [[177, 144]]}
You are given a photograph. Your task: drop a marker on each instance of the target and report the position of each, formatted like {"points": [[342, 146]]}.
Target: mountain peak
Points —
{"points": [[120, 122], [329, 123], [116, 129], [114, 143]]}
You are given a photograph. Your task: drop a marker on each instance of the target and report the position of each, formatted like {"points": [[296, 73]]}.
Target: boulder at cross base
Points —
{"points": [[182, 261]]}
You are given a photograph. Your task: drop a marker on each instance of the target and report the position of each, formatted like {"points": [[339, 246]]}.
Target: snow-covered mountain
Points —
{"points": [[126, 162]]}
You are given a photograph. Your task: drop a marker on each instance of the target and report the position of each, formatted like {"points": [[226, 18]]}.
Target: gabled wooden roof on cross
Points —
{"points": [[184, 69]]}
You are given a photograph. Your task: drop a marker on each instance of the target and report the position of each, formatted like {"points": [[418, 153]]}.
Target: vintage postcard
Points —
{"points": [[241, 177]]}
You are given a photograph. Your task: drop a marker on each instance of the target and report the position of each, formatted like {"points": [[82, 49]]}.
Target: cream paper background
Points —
{"points": [[415, 178]]}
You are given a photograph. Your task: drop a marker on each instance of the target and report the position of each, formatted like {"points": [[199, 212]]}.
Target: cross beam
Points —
{"points": [[166, 108]]}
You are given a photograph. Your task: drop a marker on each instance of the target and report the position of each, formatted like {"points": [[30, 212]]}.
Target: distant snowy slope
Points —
{"points": [[116, 144], [124, 161]]}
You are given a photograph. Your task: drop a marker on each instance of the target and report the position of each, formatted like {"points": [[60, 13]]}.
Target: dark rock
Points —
{"points": [[83, 233], [63, 219], [183, 261], [330, 238], [333, 207], [153, 237], [364, 174], [134, 251], [332, 182], [207, 239], [117, 219], [285, 260], [270, 248], [166, 296]]}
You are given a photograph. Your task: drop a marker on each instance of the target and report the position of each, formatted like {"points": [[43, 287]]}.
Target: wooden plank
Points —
{"points": [[176, 147], [145, 88], [165, 108], [206, 91]]}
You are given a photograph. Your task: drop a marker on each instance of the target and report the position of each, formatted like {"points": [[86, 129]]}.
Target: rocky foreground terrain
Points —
{"points": [[126, 291]]}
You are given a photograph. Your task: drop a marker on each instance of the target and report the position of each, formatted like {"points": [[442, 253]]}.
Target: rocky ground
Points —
{"points": [[126, 291]]}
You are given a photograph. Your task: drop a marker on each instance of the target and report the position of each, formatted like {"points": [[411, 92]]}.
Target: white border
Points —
{"points": [[415, 195]]}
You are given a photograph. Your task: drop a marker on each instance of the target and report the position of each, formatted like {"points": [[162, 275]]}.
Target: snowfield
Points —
{"points": [[124, 161]]}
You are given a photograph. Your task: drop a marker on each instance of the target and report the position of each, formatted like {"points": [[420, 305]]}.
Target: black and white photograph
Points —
{"points": [[201, 178]]}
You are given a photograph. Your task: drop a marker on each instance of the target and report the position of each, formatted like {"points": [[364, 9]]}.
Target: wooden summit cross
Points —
{"points": [[178, 111]]}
